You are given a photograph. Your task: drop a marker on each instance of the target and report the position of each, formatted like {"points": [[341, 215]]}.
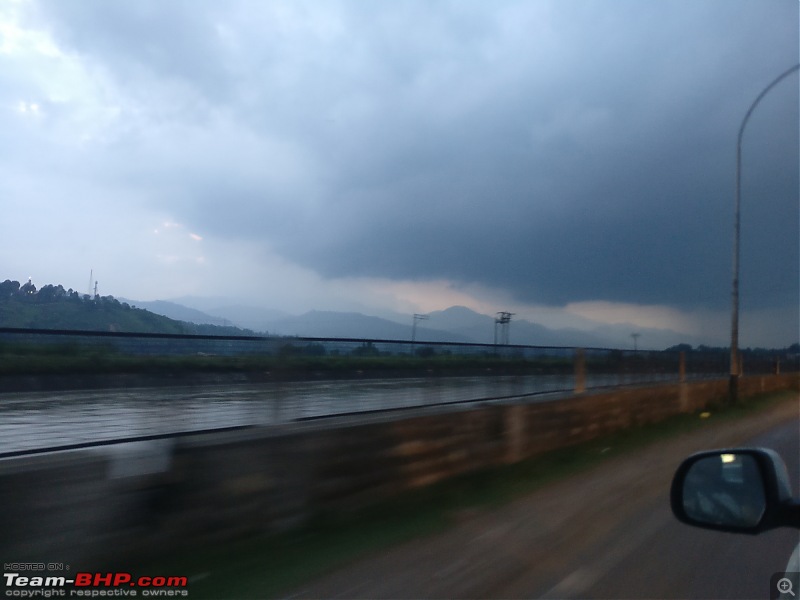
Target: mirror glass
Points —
{"points": [[725, 489]]}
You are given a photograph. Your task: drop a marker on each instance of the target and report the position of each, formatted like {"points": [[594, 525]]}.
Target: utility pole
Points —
{"points": [[635, 337], [417, 317]]}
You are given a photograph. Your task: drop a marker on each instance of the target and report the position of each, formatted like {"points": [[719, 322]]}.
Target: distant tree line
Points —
{"points": [[793, 349], [12, 290]]}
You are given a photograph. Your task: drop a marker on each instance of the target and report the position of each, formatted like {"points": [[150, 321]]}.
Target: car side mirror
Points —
{"points": [[740, 490]]}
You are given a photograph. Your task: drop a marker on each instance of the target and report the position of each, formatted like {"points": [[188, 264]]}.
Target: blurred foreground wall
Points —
{"points": [[95, 506]]}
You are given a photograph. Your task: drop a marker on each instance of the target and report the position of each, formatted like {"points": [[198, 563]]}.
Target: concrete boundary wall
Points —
{"points": [[87, 506]]}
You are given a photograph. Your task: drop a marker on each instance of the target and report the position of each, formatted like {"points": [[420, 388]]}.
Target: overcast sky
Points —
{"points": [[573, 162]]}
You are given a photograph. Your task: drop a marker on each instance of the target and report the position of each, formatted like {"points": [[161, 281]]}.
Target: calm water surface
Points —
{"points": [[44, 419]]}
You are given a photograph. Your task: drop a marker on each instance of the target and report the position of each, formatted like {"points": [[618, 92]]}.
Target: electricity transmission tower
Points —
{"points": [[503, 321]]}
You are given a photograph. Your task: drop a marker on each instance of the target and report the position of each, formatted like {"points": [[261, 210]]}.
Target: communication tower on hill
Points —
{"points": [[92, 291]]}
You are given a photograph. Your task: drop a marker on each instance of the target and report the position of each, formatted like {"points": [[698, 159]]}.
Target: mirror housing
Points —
{"points": [[739, 490]]}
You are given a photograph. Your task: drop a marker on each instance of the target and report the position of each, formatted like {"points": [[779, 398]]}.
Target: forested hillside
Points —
{"points": [[53, 307]]}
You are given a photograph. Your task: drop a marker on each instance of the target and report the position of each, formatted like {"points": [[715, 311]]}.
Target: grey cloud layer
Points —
{"points": [[561, 151]]}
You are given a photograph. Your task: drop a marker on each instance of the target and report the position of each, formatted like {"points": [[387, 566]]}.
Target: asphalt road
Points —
{"points": [[608, 533], [671, 560]]}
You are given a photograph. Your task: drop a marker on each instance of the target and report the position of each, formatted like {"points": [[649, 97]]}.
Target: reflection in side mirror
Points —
{"points": [[725, 490], [742, 490]]}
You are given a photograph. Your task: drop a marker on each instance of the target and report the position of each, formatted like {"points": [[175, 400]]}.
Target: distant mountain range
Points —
{"points": [[455, 324], [56, 308]]}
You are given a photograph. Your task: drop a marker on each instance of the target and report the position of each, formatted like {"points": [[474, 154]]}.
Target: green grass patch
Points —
{"points": [[269, 566]]}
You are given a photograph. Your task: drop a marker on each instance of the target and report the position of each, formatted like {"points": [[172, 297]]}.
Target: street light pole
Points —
{"points": [[735, 366]]}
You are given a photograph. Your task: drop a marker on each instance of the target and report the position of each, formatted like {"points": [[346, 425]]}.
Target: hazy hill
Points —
{"points": [[229, 312], [356, 325], [177, 312], [257, 319]]}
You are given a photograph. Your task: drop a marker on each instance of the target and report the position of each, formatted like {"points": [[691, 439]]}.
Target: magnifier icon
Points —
{"points": [[785, 586]]}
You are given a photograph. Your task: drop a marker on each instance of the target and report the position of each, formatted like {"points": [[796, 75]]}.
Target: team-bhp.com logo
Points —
{"points": [[93, 585]]}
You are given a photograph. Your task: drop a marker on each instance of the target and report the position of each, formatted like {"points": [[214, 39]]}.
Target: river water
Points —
{"points": [[36, 420]]}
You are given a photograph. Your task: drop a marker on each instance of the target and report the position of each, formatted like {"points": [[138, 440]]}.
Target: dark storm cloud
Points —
{"points": [[561, 151]]}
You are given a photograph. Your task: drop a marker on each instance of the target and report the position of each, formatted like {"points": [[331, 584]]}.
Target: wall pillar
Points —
{"points": [[580, 371], [515, 432]]}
